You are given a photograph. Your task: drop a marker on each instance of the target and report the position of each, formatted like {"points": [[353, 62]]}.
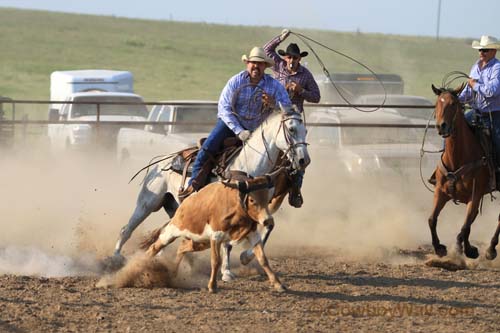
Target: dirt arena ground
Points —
{"points": [[352, 259]]}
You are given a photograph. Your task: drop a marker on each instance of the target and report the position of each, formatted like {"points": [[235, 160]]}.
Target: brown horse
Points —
{"points": [[462, 175]]}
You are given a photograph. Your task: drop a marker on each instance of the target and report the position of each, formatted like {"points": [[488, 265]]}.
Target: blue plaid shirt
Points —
{"points": [[248, 112], [485, 96]]}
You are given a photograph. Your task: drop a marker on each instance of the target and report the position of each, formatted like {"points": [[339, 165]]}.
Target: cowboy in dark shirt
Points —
{"points": [[300, 85], [297, 79]]}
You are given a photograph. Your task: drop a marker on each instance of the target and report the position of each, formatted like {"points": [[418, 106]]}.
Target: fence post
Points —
{"points": [[97, 124]]}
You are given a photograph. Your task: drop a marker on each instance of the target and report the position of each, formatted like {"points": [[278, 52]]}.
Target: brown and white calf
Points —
{"points": [[219, 213]]}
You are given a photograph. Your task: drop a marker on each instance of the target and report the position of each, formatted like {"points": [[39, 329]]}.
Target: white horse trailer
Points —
{"points": [[65, 83]]}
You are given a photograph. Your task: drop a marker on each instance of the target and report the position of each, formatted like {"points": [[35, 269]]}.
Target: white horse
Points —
{"points": [[282, 131]]}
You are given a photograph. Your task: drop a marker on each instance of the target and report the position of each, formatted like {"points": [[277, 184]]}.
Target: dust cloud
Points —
{"points": [[61, 214]]}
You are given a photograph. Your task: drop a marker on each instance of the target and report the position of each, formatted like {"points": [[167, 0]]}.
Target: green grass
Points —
{"points": [[176, 60]]}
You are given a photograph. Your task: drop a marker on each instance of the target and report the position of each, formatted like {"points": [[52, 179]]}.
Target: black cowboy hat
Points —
{"points": [[293, 50]]}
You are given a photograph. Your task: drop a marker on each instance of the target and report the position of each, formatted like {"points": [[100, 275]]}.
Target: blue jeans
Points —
{"points": [[212, 145], [494, 127]]}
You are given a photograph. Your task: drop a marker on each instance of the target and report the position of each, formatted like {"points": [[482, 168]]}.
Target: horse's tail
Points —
{"points": [[152, 237]]}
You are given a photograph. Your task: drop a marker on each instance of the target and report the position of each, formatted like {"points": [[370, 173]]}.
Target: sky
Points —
{"points": [[458, 18]]}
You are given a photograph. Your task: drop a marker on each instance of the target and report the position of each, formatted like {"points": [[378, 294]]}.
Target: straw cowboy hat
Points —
{"points": [[293, 50], [259, 55], [486, 42]]}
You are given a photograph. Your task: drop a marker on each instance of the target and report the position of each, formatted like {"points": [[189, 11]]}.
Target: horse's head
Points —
{"points": [[447, 108], [293, 140]]}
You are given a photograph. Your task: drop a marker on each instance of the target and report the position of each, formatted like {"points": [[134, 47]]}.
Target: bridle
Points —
{"points": [[290, 152], [459, 108]]}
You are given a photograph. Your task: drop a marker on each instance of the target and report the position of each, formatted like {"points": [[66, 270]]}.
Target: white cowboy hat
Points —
{"points": [[486, 42], [258, 54]]}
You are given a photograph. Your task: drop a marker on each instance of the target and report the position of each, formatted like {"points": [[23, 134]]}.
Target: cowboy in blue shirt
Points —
{"points": [[482, 93], [239, 113]]}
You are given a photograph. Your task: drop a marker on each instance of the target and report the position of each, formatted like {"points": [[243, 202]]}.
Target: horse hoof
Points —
{"points": [[245, 258], [212, 290], [472, 252], [441, 250], [490, 254], [112, 264], [228, 276], [280, 288]]}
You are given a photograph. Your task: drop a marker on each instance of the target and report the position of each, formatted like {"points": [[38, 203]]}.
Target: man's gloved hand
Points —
{"points": [[268, 101], [284, 34], [244, 135], [294, 87]]}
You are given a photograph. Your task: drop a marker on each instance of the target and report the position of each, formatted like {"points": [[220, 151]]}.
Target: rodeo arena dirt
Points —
{"points": [[353, 258]]}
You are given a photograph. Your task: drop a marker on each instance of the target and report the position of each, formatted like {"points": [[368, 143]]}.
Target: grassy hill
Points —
{"points": [[176, 60]]}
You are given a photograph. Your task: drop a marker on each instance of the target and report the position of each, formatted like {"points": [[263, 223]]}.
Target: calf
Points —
{"points": [[218, 213]]}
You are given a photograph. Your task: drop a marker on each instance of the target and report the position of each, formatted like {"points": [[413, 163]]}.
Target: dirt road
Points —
{"points": [[326, 293], [337, 255]]}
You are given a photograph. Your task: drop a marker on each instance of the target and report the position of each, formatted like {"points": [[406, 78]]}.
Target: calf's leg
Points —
{"points": [[186, 246], [166, 237], [258, 250], [215, 263]]}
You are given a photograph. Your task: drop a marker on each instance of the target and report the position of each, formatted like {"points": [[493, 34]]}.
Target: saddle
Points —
{"points": [[182, 162]]}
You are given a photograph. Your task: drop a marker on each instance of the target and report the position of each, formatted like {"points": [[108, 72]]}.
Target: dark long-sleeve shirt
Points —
{"points": [[303, 76]]}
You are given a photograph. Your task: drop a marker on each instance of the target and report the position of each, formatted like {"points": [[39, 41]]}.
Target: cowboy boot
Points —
{"points": [[295, 198]]}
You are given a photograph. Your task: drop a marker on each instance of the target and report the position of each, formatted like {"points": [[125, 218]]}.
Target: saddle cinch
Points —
{"points": [[182, 162]]}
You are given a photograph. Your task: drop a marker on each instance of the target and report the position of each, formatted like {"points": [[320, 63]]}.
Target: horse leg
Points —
{"points": [[215, 263], [439, 202], [247, 256], [170, 205], [262, 259], [463, 236], [491, 253], [147, 202], [225, 269]]}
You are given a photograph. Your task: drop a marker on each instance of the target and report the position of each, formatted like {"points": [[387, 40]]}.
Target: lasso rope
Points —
{"points": [[305, 40]]}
